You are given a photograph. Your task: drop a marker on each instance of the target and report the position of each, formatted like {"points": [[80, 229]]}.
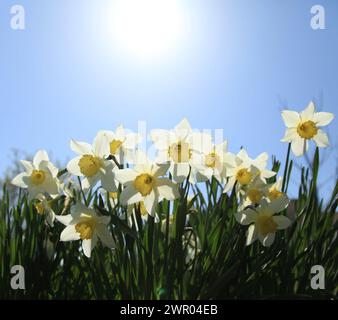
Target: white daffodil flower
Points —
{"points": [[178, 146], [146, 182], [262, 221], [253, 193], [40, 176], [44, 207], [240, 169], [84, 224], [91, 163], [212, 161], [305, 126], [121, 144]]}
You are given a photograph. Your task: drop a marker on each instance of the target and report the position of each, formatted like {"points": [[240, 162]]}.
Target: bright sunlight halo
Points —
{"points": [[147, 28]]}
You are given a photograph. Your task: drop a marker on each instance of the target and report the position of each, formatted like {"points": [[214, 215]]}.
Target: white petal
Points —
{"points": [[291, 118], [150, 202], [278, 204], [104, 220], [229, 186], [41, 155], [105, 236], [81, 147], [222, 148], [323, 118], [69, 234], [108, 180], [101, 145], [20, 180], [125, 175], [308, 113], [73, 166], [66, 220], [51, 186], [130, 195], [243, 155], [79, 209], [321, 139], [251, 234], [298, 146], [282, 222], [120, 133], [246, 217], [262, 160], [183, 129], [268, 174], [48, 166], [88, 245], [160, 138], [167, 189], [89, 182], [28, 166], [132, 140], [290, 134], [160, 169], [267, 240], [180, 171]]}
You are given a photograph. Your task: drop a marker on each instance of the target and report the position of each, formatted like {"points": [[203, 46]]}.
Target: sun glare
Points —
{"points": [[147, 28]]}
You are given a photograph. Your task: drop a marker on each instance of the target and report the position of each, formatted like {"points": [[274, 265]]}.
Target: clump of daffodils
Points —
{"points": [[133, 185]]}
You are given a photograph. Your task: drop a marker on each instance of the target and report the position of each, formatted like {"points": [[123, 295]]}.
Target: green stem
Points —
{"points": [[286, 168]]}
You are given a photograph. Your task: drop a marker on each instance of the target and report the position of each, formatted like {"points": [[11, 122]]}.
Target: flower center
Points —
{"points": [[211, 160], [86, 229], [307, 129], [255, 196], [180, 152], [40, 208], [274, 194], [38, 177], [144, 183], [112, 195], [266, 224], [115, 146], [90, 165], [243, 176]]}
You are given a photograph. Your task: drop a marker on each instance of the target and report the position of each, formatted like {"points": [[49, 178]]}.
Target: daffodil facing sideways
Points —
{"points": [[85, 224], [178, 147], [253, 193], [275, 190], [305, 126], [146, 182], [263, 221], [92, 164], [121, 144], [43, 207], [40, 176], [138, 208]]}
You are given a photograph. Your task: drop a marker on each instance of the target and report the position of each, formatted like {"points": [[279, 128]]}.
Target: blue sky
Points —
{"points": [[237, 65]]}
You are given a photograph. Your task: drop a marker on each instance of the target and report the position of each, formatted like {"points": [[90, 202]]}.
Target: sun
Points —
{"points": [[147, 28]]}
